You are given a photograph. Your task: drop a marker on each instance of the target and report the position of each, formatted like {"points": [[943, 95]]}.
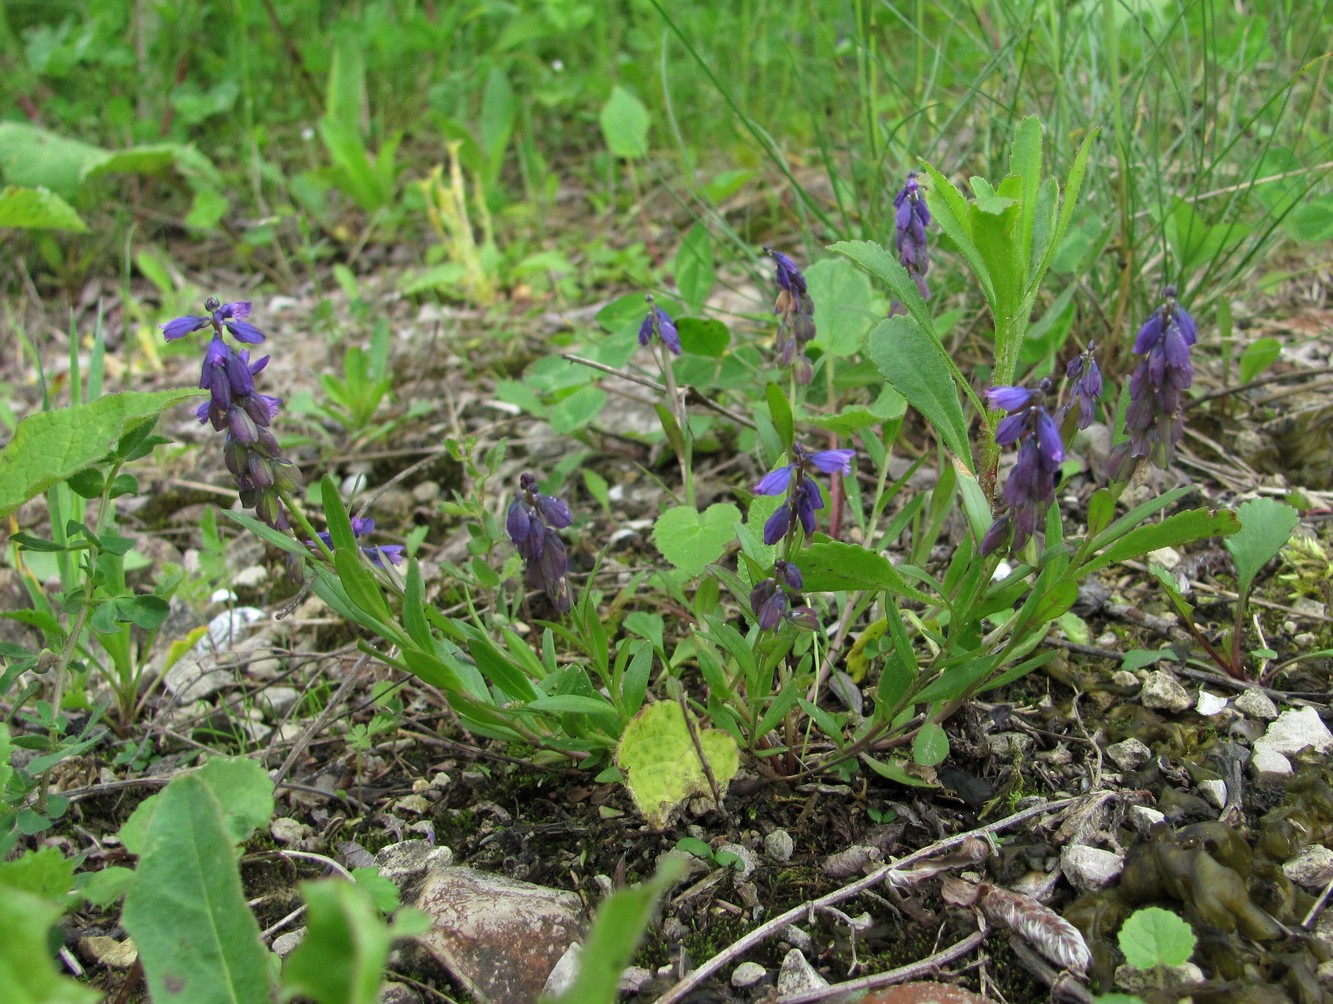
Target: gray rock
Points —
{"points": [[1124, 678], [796, 937], [286, 830], [1267, 764], [1129, 755], [745, 859], [110, 952], [406, 863], [499, 937], [277, 701], [1311, 868], [1163, 691], [1143, 819], [250, 578], [747, 974], [398, 993], [1010, 744], [1214, 791], [1090, 868], [797, 975], [566, 971], [1297, 730], [1254, 703], [779, 845], [285, 944], [1137, 981]]}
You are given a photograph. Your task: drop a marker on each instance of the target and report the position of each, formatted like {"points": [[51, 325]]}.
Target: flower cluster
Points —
{"points": [[1085, 383], [532, 523], [770, 598], [1153, 418], [251, 452], [1031, 485], [796, 317], [378, 554], [913, 216], [803, 495], [658, 324]]}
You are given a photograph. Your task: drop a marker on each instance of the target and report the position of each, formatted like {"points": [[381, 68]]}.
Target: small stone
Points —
{"points": [[796, 937], [1209, 704], [1143, 819], [1107, 639], [418, 804], [1267, 764], [797, 975], [277, 701], [1297, 730], [1311, 868], [286, 830], [1167, 557], [250, 578], [1090, 868], [1254, 703], [1160, 977], [285, 944], [1010, 744], [426, 492], [1214, 791], [779, 845], [407, 862], [564, 974], [1163, 691], [853, 860], [108, 951], [633, 979], [745, 860], [398, 993], [747, 974], [1129, 754], [1124, 678]]}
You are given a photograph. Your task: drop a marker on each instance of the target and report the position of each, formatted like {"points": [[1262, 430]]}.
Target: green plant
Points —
{"points": [[1153, 939]]}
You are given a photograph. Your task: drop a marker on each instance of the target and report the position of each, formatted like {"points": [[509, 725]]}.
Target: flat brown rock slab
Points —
{"points": [[499, 937], [924, 993]]}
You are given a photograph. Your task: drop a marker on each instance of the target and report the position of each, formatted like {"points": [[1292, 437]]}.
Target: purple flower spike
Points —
{"points": [[803, 494], [531, 523], [659, 324], [910, 222], [1085, 379], [1041, 450], [1154, 419], [182, 326], [796, 317]]}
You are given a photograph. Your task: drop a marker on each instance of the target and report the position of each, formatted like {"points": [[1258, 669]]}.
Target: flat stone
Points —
{"points": [[1163, 691], [1214, 791], [250, 578], [1297, 730], [1146, 980], [109, 952], [286, 830], [747, 974], [499, 937], [1143, 818], [1090, 868], [277, 701], [779, 845], [1124, 678], [797, 975], [1255, 703], [285, 944], [1312, 867], [745, 859], [924, 992], [1129, 755], [1267, 764], [1010, 744], [566, 971], [406, 863], [398, 993]]}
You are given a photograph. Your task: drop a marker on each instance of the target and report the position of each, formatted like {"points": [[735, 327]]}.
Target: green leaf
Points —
{"points": [[27, 972], [660, 763], [930, 745], [37, 209], [341, 959], [44, 872], [616, 931], [691, 540], [914, 363], [1179, 528], [50, 446], [1154, 937], [843, 295], [885, 267], [197, 939], [779, 412], [33, 157], [896, 770], [624, 121], [703, 337], [831, 566], [577, 410], [1265, 526], [1257, 357], [695, 273]]}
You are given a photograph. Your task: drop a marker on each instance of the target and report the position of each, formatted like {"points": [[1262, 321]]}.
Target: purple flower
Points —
{"points": [[796, 317], [1030, 487], [378, 554], [771, 597], [804, 496], [232, 316], [531, 522], [1153, 419], [909, 225], [659, 323], [1085, 379], [250, 451]]}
